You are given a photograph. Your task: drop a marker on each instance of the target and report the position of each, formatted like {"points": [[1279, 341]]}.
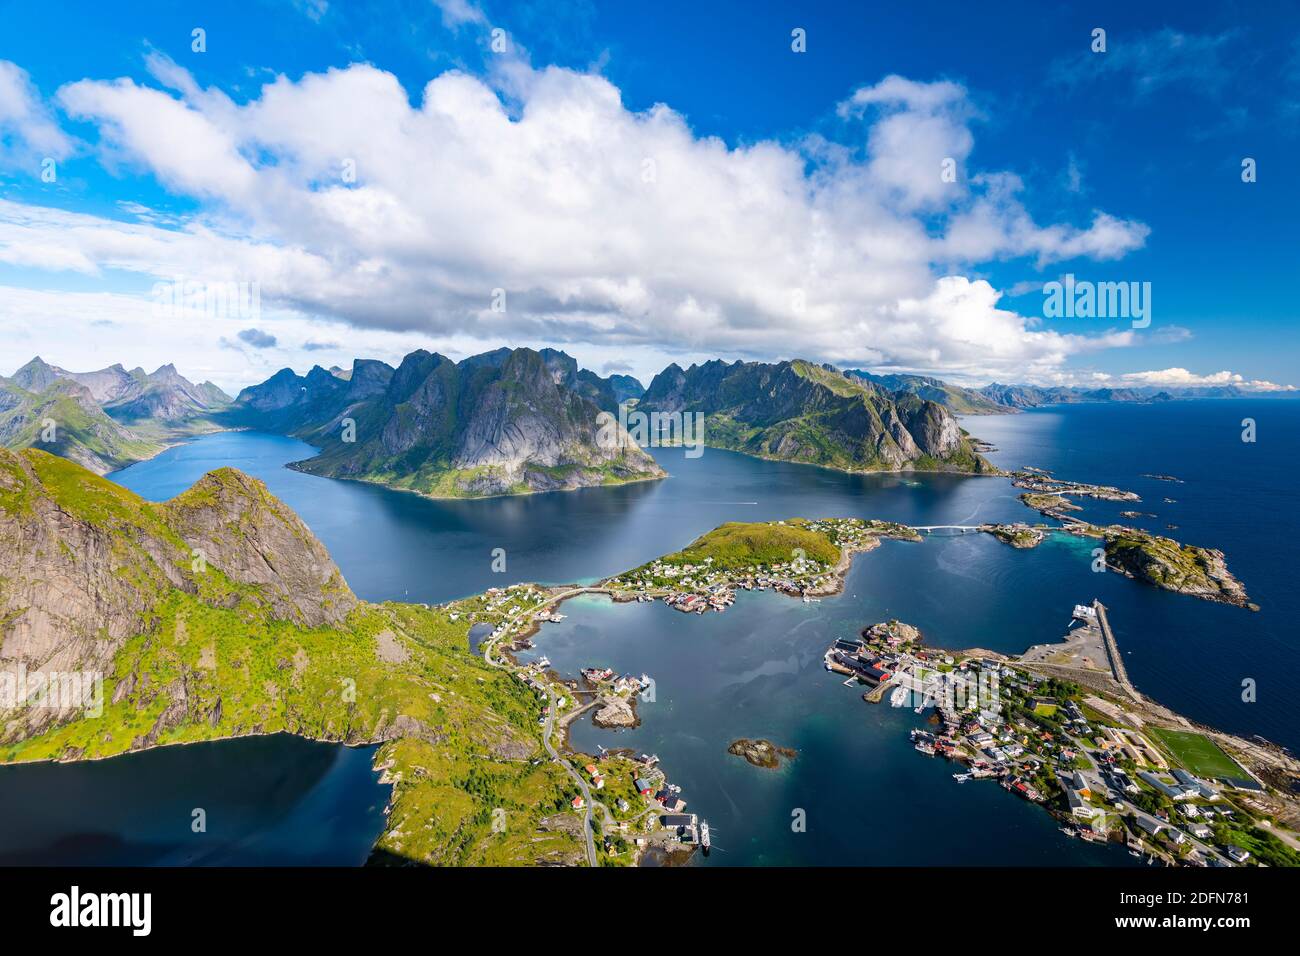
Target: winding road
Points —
{"points": [[582, 783], [552, 707]]}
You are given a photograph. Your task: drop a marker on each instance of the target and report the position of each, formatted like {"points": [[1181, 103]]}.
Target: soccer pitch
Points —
{"points": [[1197, 753]]}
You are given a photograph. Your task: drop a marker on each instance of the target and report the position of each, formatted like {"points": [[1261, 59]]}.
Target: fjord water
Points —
{"points": [[264, 801], [755, 670]]}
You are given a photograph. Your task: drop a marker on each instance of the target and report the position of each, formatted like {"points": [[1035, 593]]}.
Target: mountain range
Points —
{"points": [[512, 421], [104, 419], [515, 421]]}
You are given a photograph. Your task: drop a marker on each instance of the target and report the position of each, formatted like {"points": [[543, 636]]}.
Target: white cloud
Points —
{"points": [[1181, 377], [606, 228], [28, 131], [456, 13], [1154, 61]]}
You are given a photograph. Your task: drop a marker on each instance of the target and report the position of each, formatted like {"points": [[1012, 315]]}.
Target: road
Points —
{"points": [[582, 783], [549, 727], [1098, 784]]}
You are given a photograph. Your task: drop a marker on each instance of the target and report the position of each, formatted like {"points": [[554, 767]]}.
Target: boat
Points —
{"points": [[543, 662], [961, 777], [704, 836], [1068, 831]]}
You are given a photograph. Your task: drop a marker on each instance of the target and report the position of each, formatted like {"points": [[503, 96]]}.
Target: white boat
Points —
{"points": [[961, 777], [704, 835]]}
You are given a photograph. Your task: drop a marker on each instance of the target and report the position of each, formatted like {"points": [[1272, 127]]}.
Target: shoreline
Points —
{"points": [[293, 466]]}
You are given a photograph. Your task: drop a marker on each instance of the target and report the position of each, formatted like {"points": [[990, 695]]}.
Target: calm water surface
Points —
{"points": [[266, 801]]}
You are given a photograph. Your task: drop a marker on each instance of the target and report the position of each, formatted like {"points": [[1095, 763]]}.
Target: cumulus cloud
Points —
{"points": [[1181, 377], [551, 213]]}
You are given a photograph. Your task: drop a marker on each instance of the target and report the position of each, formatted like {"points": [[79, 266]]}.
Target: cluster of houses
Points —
{"points": [[699, 587], [718, 597], [609, 680], [1132, 745]]}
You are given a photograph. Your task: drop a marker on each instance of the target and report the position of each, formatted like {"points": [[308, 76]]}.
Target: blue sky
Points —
{"points": [[783, 216]]}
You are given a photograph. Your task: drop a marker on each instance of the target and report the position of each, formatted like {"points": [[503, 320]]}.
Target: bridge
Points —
{"points": [[959, 528]]}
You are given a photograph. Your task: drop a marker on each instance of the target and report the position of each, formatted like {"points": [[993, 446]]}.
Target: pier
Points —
{"points": [[1112, 653]]}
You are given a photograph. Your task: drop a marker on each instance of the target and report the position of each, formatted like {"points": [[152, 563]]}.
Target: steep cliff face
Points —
{"points": [[803, 412], [506, 422], [288, 402], [232, 521], [85, 563]]}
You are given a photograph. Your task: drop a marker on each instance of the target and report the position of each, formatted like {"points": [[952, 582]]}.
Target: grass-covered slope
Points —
{"points": [[258, 636], [958, 400], [742, 545], [1169, 564]]}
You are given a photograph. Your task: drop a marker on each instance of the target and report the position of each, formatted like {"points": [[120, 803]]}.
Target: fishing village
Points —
{"points": [[1096, 762]]}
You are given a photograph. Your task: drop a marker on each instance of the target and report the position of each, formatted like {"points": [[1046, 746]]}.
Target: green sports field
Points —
{"points": [[1197, 753]]}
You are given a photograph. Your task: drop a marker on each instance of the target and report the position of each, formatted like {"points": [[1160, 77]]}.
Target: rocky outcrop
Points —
{"points": [[1182, 568], [761, 753], [802, 412], [233, 522], [893, 631], [615, 713], [1017, 535]]}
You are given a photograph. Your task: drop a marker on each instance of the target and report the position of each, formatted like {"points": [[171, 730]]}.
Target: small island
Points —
{"points": [[1017, 535], [761, 753]]}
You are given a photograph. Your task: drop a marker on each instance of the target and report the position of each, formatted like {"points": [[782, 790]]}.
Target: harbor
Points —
{"points": [[1089, 760]]}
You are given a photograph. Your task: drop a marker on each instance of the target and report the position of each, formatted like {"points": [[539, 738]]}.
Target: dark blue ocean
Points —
{"points": [[755, 671]]}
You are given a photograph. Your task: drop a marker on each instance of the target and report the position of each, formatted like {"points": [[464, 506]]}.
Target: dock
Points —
{"points": [[1112, 652]]}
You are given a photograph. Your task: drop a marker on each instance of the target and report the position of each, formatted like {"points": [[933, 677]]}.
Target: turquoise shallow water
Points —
{"points": [[755, 670]]}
